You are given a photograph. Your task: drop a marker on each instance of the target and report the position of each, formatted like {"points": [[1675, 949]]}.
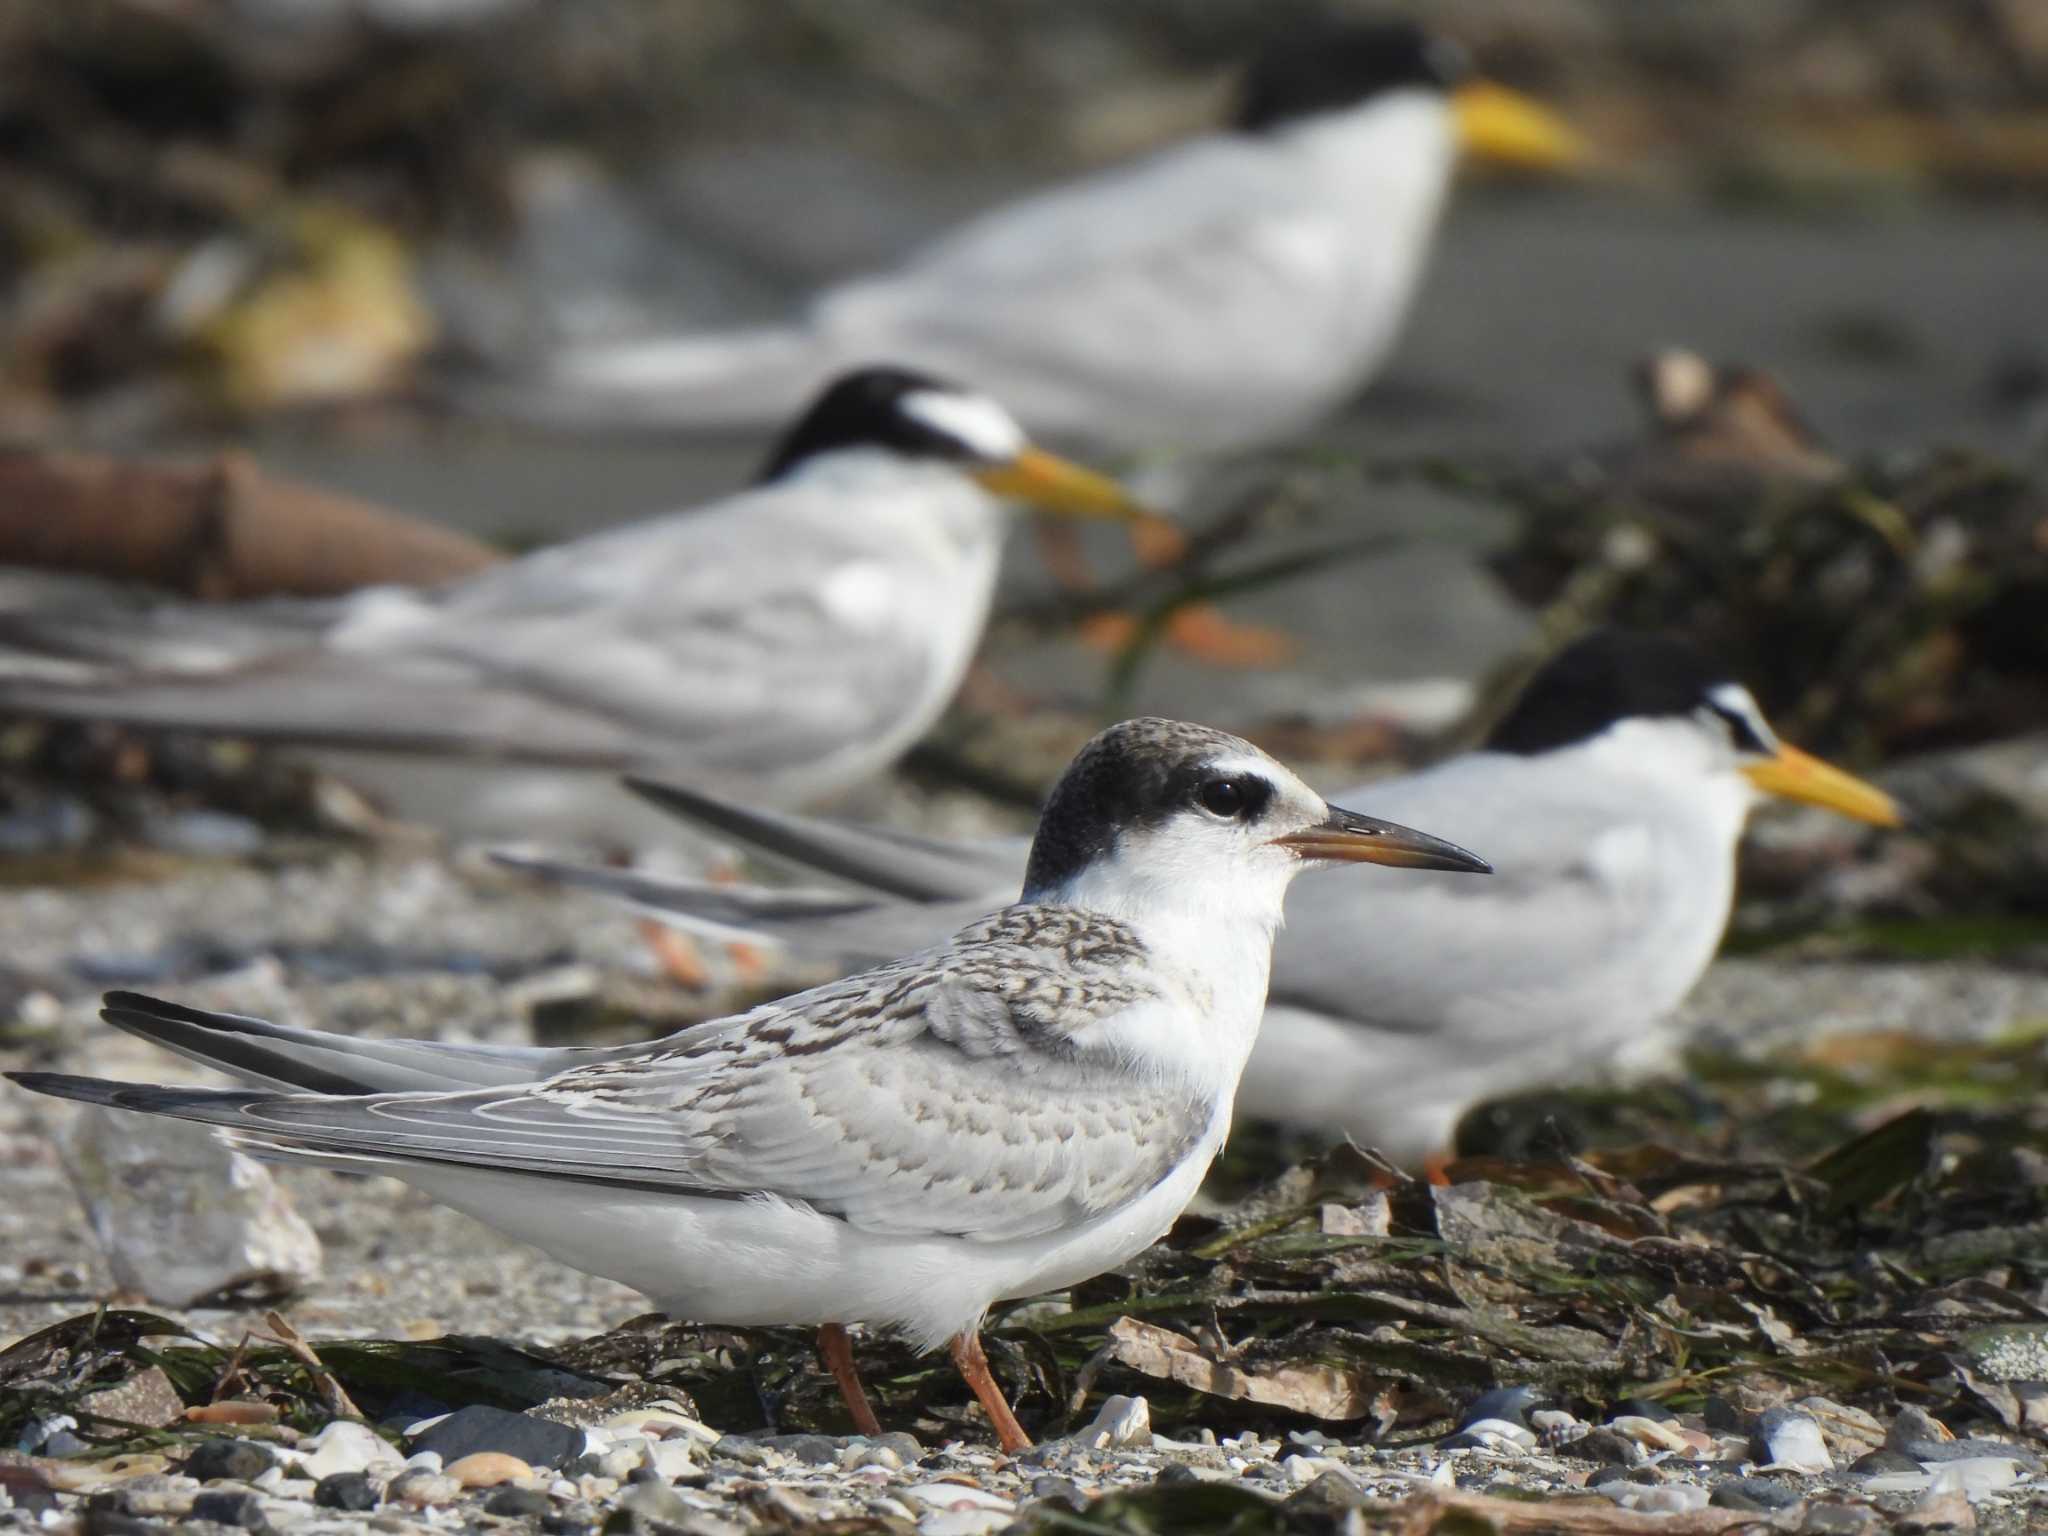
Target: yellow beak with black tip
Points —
{"points": [[1506, 127], [1346, 837], [1797, 775], [1047, 481]]}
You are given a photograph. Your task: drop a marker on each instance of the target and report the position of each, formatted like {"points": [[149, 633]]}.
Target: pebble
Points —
{"points": [[180, 1216], [1790, 1438], [518, 1503], [347, 1446], [241, 1460], [1121, 1421], [1604, 1445], [223, 1507], [346, 1490], [1496, 1435], [487, 1469], [1754, 1493], [807, 1450], [538, 1442], [421, 1488], [147, 1398], [1510, 1404]]}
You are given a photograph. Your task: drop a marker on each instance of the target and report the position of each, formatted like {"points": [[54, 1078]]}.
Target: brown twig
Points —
{"points": [[323, 1379]]}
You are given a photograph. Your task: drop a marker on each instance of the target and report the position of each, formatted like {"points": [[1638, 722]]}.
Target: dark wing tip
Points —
{"points": [[63, 1085]]}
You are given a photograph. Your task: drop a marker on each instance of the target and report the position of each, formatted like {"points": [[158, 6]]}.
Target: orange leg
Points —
{"points": [[837, 1349], [973, 1367]]}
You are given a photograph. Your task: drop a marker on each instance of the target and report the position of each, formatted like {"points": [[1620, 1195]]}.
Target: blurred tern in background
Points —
{"points": [[1027, 1104], [1223, 293], [1610, 798], [783, 643]]}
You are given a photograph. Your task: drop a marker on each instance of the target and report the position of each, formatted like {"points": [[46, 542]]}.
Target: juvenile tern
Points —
{"points": [[1610, 798], [1225, 292], [785, 642], [1021, 1107]]}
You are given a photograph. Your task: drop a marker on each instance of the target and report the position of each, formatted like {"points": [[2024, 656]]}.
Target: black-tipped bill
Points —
{"points": [[1346, 837]]}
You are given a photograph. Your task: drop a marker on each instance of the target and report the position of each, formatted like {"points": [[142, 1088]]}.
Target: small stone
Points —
{"points": [[421, 1488], [241, 1460], [1791, 1439], [1372, 1216], [1604, 1445], [345, 1490], [518, 1503], [1944, 1509], [1849, 1432], [1332, 1491], [675, 1460], [347, 1446], [1495, 1435], [181, 1216], [1121, 1421], [1877, 1463], [487, 1469], [1755, 1493], [538, 1442], [1509, 1404], [872, 1456], [808, 1450], [147, 1398], [224, 1507], [657, 1504]]}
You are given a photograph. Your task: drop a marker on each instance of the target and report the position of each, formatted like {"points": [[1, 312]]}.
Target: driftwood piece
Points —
{"points": [[218, 529]]}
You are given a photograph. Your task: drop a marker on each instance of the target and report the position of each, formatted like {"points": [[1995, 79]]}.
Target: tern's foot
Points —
{"points": [[1199, 630]]}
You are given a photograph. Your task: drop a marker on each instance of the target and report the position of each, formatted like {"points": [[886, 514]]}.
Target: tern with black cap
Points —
{"points": [[1225, 292], [1027, 1104], [1610, 798], [786, 642]]}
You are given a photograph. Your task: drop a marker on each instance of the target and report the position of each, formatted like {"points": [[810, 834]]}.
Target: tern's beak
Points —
{"points": [[1047, 481], [1798, 776], [1348, 838], [1495, 123]]}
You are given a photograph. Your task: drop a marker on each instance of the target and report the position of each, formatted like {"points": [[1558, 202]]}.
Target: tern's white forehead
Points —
{"points": [[988, 431]]}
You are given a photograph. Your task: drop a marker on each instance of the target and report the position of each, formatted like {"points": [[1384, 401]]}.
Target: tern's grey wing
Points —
{"points": [[1575, 870], [953, 1093], [985, 872], [682, 639], [852, 928], [1208, 283]]}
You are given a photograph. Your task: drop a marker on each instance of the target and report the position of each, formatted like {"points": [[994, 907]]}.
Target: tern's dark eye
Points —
{"points": [[1741, 727], [1228, 798]]}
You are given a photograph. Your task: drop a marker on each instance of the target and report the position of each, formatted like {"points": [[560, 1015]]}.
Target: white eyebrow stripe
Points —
{"points": [[1740, 702], [988, 431]]}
